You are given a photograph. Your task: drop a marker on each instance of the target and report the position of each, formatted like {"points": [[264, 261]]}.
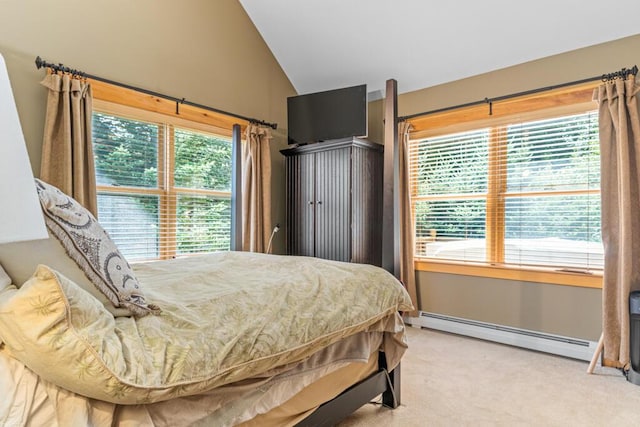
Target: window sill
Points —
{"points": [[530, 274]]}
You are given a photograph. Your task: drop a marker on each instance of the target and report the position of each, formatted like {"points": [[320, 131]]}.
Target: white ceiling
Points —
{"points": [[328, 44]]}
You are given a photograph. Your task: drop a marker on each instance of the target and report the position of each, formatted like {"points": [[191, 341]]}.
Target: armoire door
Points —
{"points": [[333, 204], [301, 178]]}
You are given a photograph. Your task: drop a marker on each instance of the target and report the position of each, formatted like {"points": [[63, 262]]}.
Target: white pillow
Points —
{"points": [[5, 280]]}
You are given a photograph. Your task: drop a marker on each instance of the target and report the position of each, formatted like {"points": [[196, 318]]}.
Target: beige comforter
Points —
{"points": [[226, 317]]}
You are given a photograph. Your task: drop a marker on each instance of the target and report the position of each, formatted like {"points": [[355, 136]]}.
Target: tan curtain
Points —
{"points": [[67, 153], [620, 185], [407, 233], [256, 189]]}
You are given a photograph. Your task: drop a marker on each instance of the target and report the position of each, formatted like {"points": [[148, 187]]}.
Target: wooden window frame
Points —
{"points": [[543, 105], [127, 103]]}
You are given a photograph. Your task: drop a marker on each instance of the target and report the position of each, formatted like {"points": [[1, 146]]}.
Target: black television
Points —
{"points": [[332, 114]]}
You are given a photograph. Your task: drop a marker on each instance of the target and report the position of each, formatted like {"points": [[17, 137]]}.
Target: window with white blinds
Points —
{"points": [[525, 194], [163, 190]]}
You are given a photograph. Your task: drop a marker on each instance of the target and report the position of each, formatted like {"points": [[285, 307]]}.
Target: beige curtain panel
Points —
{"points": [[67, 153], [256, 189], [620, 185], [407, 233]]}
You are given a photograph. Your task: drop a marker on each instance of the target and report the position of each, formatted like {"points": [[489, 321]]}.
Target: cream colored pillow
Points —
{"points": [[67, 337], [35, 324], [5, 280]]}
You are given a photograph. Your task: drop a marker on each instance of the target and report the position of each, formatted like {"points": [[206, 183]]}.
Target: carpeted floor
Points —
{"points": [[449, 380]]}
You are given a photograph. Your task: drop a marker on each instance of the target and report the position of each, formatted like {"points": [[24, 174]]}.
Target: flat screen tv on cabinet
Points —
{"points": [[332, 114]]}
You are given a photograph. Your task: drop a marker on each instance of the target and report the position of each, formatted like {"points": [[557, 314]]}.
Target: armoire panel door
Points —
{"points": [[302, 214], [333, 204], [366, 199]]}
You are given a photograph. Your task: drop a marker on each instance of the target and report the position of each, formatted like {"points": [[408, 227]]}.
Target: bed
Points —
{"points": [[230, 338]]}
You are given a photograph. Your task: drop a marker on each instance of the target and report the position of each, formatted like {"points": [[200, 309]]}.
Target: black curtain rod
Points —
{"points": [[60, 67], [622, 74]]}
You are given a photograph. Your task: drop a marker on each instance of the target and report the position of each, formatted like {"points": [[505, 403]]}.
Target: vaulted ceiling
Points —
{"points": [[328, 44]]}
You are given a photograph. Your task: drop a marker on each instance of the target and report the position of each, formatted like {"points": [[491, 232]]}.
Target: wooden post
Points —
{"points": [[391, 183], [391, 210]]}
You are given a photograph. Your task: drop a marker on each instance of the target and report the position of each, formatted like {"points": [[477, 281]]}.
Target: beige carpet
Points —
{"points": [[449, 380]]}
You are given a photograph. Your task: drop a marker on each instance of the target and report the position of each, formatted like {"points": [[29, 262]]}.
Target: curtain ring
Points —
{"points": [[178, 102], [488, 101]]}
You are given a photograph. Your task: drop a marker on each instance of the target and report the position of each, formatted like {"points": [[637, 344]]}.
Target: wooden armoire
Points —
{"points": [[334, 200]]}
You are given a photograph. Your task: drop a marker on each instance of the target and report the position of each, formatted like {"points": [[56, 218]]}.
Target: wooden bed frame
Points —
{"points": [[383, 383]]}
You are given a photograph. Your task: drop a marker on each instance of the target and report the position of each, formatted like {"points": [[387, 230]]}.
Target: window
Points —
{"points": [[163, 189], [512, 194]]}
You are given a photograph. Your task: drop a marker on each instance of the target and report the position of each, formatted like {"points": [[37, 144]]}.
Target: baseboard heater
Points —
{"points": [[533, 340]]}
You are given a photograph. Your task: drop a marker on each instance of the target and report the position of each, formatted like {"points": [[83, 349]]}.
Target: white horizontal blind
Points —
{"points": [[449, 180], [162, 191], [133, 222], [126, 158], [525, 194], [552, 199]]}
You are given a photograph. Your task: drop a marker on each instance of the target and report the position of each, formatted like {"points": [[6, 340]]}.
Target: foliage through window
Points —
{"points": [[163, 190], [523, 194]]}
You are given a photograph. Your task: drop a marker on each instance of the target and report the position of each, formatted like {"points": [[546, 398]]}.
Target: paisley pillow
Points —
{"points": [[89, 245]]}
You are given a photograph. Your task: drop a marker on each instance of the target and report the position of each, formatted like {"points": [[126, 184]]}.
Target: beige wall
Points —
{"points": [[205, 51], [563, 310]]}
